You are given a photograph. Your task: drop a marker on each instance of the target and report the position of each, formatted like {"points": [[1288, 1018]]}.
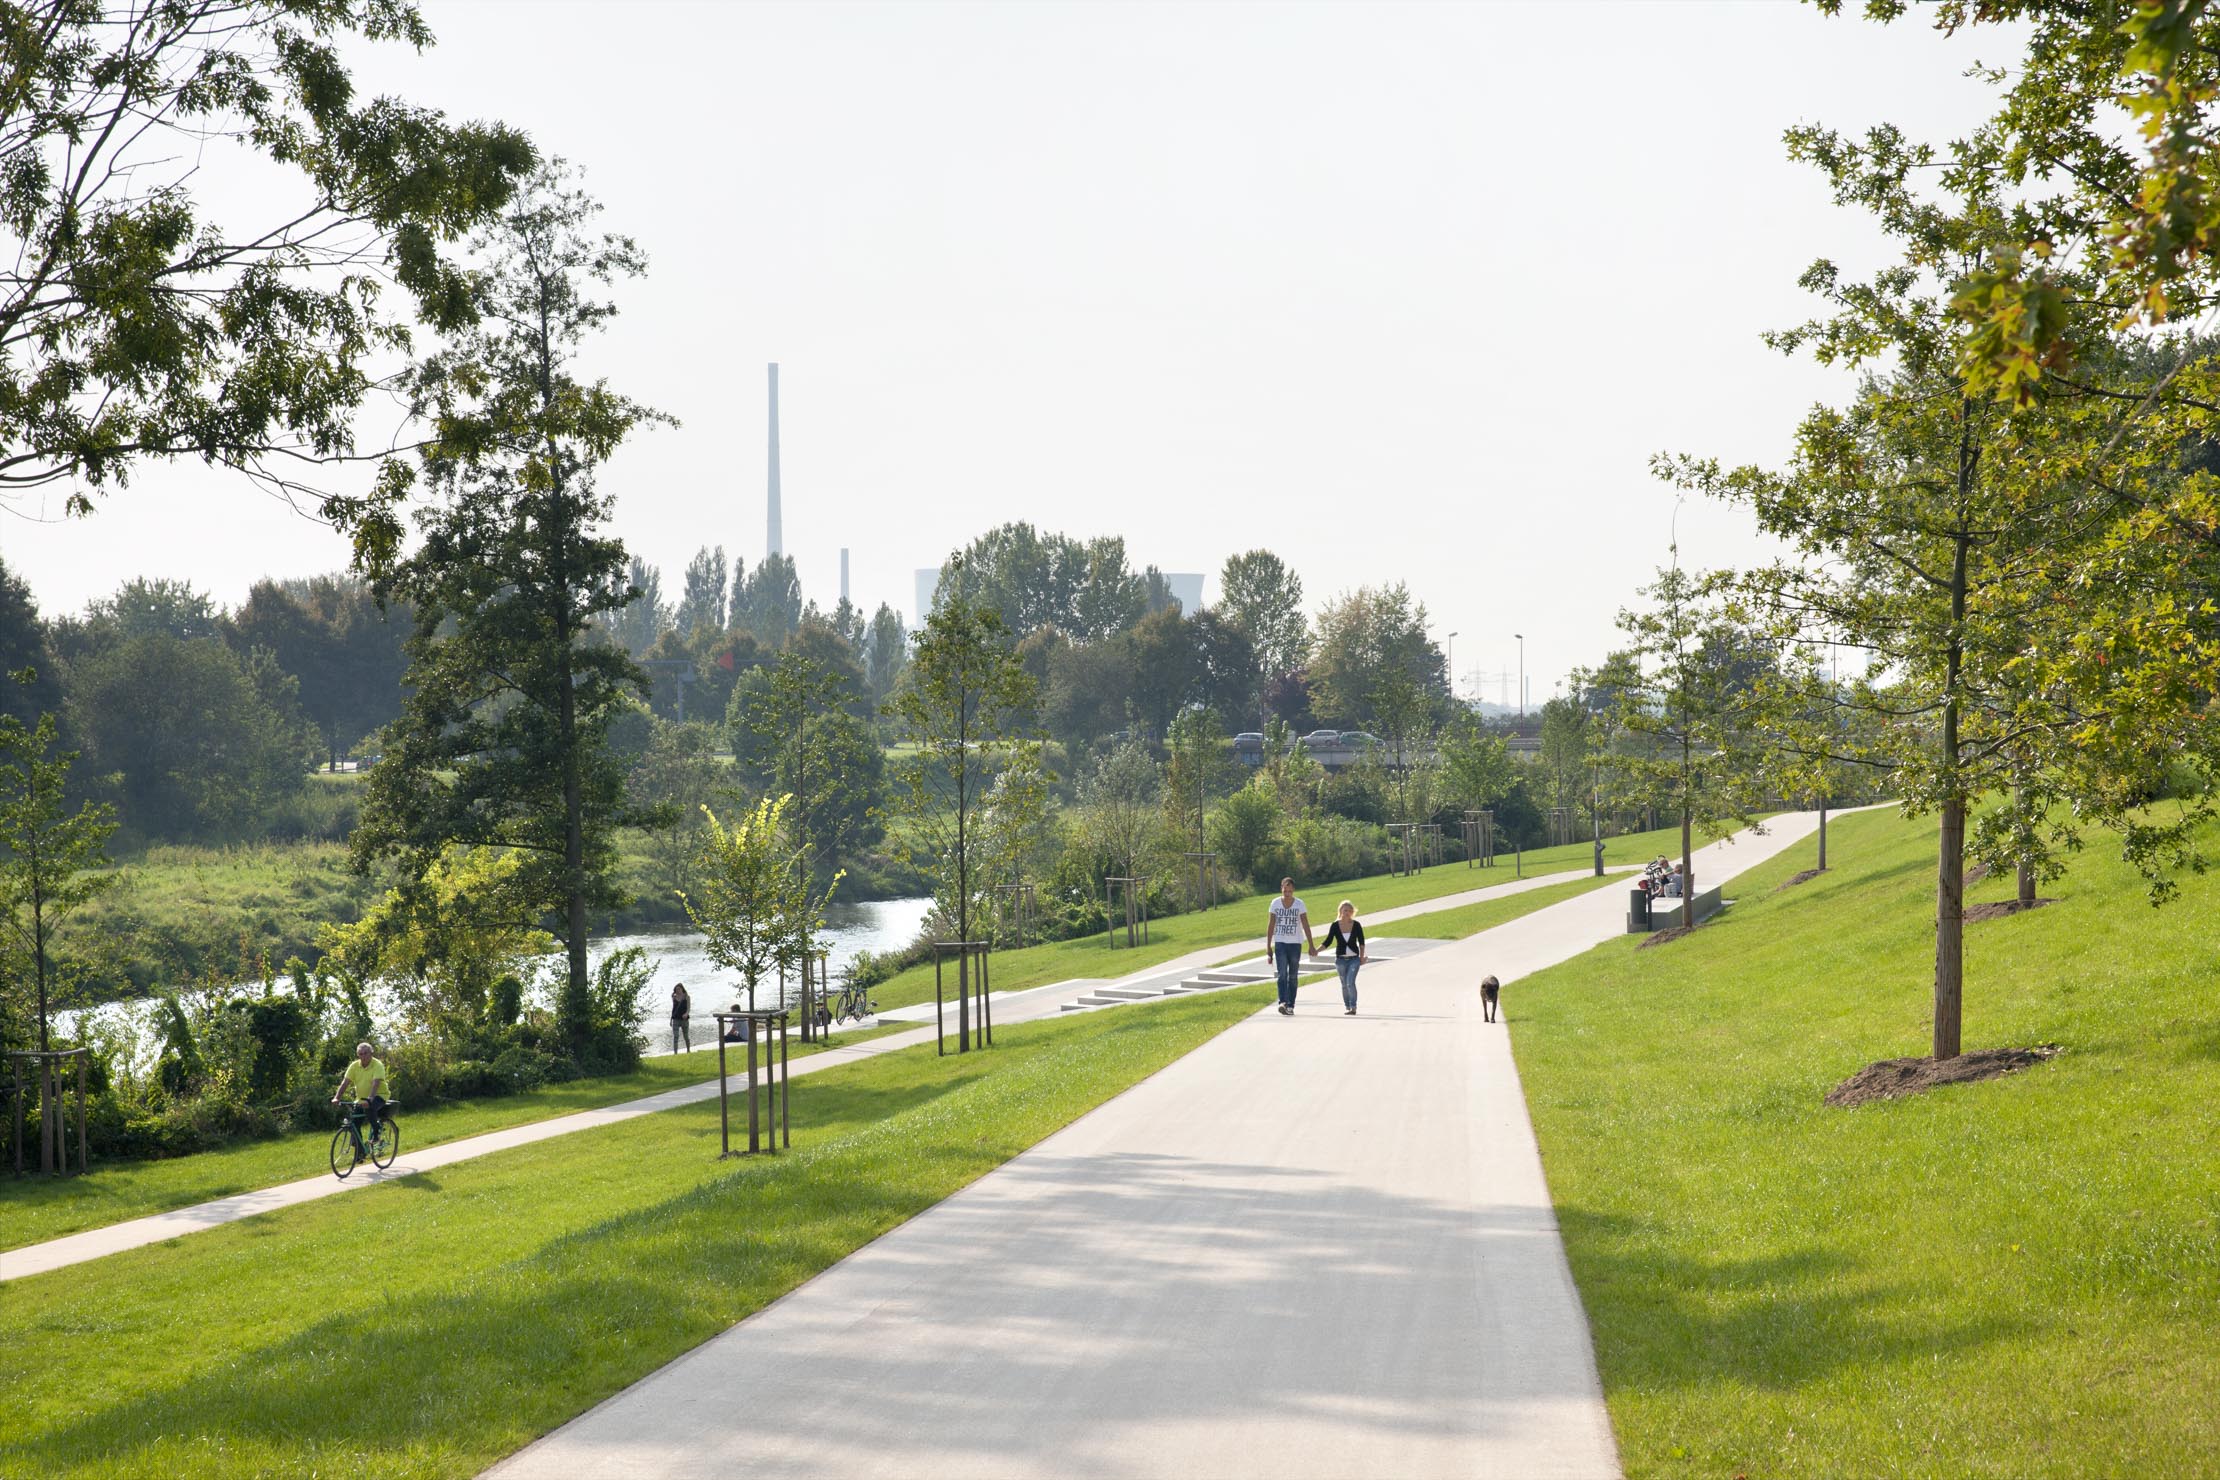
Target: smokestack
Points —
{"points": [[843, 572], [772, 543]]}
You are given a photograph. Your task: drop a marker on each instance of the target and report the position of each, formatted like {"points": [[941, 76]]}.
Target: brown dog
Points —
{"points": [[1491, 991]]}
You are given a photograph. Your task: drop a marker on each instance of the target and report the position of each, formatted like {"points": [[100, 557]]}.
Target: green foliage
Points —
{"points": [[342, 649], [1476, 767], [501, 741], [443, 941], [1244, 831], [795, 733], [756, 905], [53, 861], [960, 710], [1368, 638], [1262, 596], [191, 739], [142, 329], [1085, 590], [677, 775]]}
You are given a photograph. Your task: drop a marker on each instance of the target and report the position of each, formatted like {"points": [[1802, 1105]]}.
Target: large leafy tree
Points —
{"points": [[1363, 637], [2027, 632], [962, 708], [502, 740], [189, 737], [341, 647], [645, 617], [133, 326], [794, 732], [702, 603], [1263, 596], [25, 650]]}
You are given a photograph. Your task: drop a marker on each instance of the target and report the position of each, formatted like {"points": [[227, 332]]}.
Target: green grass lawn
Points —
{"points": [[35, 1209], [2016, 1278], [428, 1326], [1243, 920]]}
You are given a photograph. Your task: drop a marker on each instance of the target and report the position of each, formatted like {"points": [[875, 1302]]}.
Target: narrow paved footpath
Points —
{"points": [[1318, 1246]]}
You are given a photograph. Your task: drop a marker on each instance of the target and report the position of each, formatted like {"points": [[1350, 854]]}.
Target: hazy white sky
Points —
{"points": [[1402, 292]]}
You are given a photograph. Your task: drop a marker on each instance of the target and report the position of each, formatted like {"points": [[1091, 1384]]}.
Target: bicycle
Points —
{"points": [[350, 1149], [855, 1005]]}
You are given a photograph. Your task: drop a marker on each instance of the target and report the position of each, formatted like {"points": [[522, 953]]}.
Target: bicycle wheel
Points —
{"points": [[386, 1144], [343, 1156]]}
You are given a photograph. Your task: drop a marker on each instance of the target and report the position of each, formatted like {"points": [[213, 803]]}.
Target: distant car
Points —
{"points": [[1248, 740], [1319, 738], [1358, 739]]}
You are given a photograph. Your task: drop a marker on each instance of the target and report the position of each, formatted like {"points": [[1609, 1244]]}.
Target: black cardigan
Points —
{"points": [[1351, 944]]}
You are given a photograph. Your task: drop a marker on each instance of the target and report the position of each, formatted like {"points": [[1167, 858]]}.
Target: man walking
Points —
{"points": [[1285, 940]]}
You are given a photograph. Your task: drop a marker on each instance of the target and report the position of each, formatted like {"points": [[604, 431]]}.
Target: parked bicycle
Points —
{"points": [[351, 1146], [854, 1004]]}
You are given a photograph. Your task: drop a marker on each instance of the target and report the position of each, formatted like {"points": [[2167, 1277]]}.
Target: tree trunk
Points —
{"points": [[1822, 834], [1950, 883], [1950, 928], [2027, 885]]}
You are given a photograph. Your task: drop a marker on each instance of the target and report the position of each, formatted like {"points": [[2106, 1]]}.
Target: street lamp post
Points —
{"points": [[1522, 673], [1452, 661]]}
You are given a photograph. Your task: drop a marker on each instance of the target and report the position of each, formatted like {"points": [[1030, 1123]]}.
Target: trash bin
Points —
{"points": [[1638, 911]]}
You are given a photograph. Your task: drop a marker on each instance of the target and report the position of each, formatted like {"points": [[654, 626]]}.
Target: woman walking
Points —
{"points": [[1285, 936], [682, 1017], [1346, 936]]}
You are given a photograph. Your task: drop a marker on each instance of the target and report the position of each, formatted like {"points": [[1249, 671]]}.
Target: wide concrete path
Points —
{"points": [[1318, 1246], [1009, 1007]]}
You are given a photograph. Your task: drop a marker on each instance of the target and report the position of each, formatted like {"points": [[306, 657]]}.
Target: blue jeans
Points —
{"points": [[1347, 966], [1287, 955]]}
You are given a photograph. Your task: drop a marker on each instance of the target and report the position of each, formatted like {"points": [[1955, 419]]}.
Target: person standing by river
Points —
{"points": [[1346, 936], [1286, 936], [682, 1017]]}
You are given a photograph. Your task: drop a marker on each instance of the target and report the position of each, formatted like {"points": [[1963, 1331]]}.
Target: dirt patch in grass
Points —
{"points": [[1999, 910], [1803, 878], [1892, 1079], [1658, 938]]}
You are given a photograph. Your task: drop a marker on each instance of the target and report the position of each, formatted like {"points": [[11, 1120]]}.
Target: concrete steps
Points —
{"points": [[1201, 981]]}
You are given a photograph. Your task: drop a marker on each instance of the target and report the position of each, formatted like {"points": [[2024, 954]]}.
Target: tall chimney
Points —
{"points": [[843, 572], [772, 543]]}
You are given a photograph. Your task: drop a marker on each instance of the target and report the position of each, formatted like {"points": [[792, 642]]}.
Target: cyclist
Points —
{"points": [[365, 1084]]}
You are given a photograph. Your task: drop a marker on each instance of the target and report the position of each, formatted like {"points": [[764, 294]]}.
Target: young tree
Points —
{"points": [[754, 905], [2026, 627], [1565, 725], [1407, 719], [1118, 806], [501, 741], [1691, 707], [132, 326], [1476, 767], [961, 708], [444, 944], [1198, 767], [53, 857]]}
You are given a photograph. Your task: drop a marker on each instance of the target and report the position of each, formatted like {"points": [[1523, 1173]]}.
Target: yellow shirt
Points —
{"points": [[361, 1076]]}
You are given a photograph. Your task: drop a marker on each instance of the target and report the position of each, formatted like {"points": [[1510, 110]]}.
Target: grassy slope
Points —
{"points": [[500, 1297], [34, 1209], [1243, 920], [2015, 1278]]}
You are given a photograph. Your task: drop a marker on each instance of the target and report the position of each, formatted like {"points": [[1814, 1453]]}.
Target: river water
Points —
{"points": [[679, 955]]}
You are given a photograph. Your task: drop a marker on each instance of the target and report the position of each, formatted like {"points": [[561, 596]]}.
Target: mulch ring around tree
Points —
{"points": [[1892, 1079], [1803, 878], [1658, 938], [1979, 912]]}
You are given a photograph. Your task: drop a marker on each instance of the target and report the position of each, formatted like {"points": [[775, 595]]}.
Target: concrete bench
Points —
{"points": [[1665, 911]]}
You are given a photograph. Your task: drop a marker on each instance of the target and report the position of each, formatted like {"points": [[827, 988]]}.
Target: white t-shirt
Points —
{"points": [[1287, 921]]}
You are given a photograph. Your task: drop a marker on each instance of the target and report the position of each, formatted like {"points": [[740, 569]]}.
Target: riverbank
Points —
{"points": [[186, 915]]}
